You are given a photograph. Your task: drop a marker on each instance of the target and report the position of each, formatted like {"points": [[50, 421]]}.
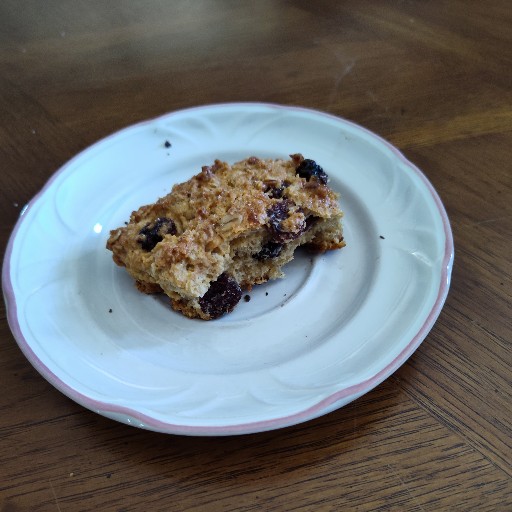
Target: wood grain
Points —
{"points": [[433, 78]]}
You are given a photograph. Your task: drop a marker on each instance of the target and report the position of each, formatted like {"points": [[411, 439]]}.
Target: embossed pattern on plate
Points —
{"points": [[338, 325]]}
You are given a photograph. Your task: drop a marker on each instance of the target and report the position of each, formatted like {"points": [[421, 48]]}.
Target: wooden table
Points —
{"points": [[434, 79]]}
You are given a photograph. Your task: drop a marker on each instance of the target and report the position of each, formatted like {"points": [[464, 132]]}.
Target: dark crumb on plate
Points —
{"points": [[247, 298], [381, 237], [167, 144]]}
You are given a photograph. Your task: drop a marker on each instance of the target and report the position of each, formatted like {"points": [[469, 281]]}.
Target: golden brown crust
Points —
{"points": [[219, 221]]}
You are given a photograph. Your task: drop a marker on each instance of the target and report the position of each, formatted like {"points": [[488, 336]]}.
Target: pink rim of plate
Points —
{"points": [[328, 404]]}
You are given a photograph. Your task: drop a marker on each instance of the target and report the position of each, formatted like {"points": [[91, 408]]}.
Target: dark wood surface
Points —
{"points": [[433, 78]]}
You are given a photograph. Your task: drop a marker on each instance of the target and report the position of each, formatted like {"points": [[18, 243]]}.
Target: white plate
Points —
{"points": [[337, 326]]}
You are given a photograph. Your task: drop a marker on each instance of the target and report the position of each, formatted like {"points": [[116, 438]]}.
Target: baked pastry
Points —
{"points": [[226, 229]]}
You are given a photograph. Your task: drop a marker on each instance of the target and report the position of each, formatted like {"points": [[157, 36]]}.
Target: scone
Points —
{"points": [[226, 229]]}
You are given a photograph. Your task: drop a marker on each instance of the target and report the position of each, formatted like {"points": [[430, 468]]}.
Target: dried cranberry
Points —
{"points": [[276, 192], [154, 232], [222, 296], [309, 168], [269, 250], [277, 213]]}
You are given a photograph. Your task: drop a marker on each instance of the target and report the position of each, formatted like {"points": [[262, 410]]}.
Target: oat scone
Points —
{"points": [[226, 229]]}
